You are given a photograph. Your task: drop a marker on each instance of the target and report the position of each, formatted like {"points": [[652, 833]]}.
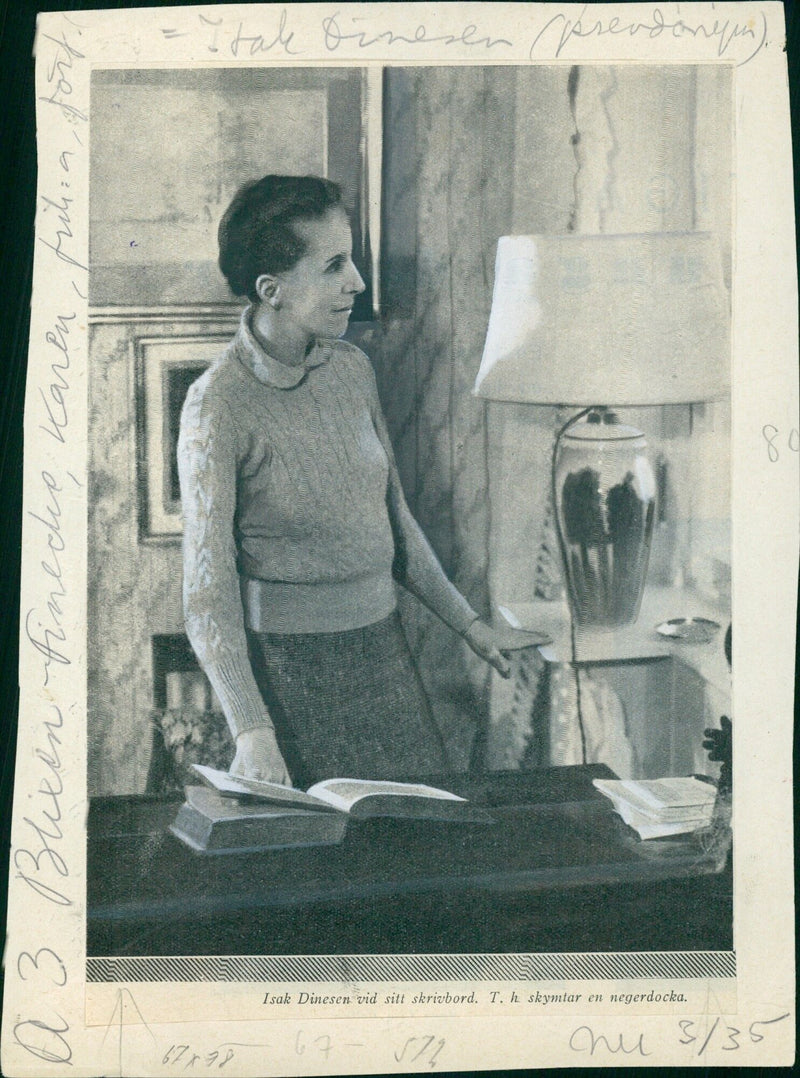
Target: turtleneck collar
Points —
{"points": [[268, 370]]}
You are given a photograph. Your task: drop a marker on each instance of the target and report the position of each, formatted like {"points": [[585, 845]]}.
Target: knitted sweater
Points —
{"points": [[294, 516]]}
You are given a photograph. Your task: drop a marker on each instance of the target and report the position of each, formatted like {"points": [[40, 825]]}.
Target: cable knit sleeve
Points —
{"points": [[416, 566], [211, 592]]}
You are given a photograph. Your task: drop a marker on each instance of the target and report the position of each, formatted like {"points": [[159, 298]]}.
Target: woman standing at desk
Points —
{"points": [[295, 523]]}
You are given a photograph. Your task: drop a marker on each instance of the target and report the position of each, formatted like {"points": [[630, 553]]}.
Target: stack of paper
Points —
{"points": [[659, 807]]}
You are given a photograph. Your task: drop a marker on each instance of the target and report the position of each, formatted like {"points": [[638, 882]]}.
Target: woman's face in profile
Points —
{"points": [[316, 295]]}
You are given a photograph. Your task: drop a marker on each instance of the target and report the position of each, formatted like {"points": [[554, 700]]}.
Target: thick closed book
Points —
{"points": [[211, 823], [667, 800], [358, 798], [657, 808]]}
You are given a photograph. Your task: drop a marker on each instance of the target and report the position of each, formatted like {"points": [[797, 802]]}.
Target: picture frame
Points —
{"points": [[165, 368], [160, 191]]}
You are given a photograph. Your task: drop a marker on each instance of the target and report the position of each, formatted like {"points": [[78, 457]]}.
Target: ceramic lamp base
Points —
{"points": [[606, 497]]}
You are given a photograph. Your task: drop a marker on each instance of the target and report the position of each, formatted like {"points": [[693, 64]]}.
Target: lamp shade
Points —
{"points": [[618, 320]]}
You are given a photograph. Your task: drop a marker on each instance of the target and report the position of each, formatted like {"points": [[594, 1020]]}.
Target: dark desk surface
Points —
{"points": [[557, 871]]}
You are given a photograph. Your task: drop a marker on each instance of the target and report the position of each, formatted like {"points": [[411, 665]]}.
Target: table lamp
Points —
{"points": [[602, 322]]}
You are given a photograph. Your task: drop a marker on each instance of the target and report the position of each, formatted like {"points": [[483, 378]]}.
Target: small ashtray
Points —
{"points": [[689, 630]]}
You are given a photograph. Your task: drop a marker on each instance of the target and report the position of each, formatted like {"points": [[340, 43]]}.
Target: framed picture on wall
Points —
{"points": [[170, 148], [166, 367]]}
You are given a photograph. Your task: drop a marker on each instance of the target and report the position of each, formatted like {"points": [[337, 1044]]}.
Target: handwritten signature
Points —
{"points": [[560, 30]]}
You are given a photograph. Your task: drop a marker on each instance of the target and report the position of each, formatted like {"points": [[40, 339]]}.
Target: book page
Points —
{"points": [[233, 786], [671, 793], [554, 938], [344, 793], [662, 795]]}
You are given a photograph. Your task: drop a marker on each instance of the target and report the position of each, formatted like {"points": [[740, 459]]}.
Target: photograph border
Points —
{"points": [[766, 472]]}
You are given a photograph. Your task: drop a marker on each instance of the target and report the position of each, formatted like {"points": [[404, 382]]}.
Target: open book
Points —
{"points": [[359, 798]]}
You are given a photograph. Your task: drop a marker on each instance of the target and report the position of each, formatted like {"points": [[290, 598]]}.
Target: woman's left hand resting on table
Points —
{"points": [[493, 645]]}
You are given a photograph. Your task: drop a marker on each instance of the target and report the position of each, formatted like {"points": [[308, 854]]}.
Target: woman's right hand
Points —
{"points": [[258, 757]]}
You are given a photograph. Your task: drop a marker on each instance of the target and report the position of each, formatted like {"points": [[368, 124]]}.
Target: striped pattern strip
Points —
{"points": [[417, 967]]}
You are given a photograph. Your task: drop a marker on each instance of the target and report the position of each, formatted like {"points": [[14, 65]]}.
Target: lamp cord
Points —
{"points": [[563, 548]]}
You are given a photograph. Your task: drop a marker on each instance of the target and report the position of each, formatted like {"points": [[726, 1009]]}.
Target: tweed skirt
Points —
{"points": [[348, 704]]}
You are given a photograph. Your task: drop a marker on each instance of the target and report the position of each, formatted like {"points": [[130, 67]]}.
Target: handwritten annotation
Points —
{"points": [[777, 440], [724, 33], [334, 35], [39, 857], [59, 76], [557, 38]]}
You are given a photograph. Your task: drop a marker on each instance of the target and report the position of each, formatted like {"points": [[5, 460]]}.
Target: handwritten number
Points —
{"points": [[756, 1037], [733, 1037], [432, 1060], [323, 1043], [34, 961], [427, 1042], [708, 1038], [176, 1052], [685, 1024], [770, 434], [397, 1057]]}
